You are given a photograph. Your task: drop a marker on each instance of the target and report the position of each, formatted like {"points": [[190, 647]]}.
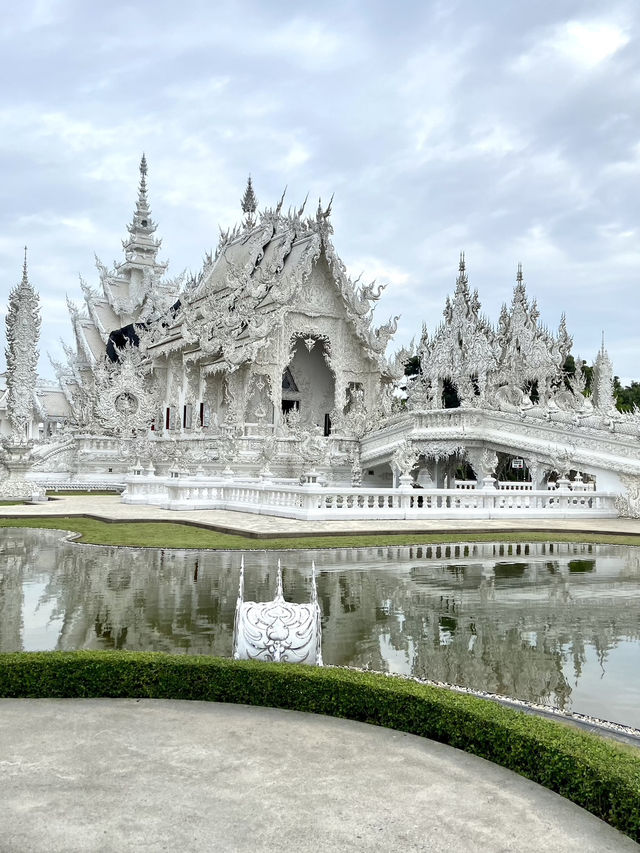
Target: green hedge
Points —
{"points": [[601, 776]]}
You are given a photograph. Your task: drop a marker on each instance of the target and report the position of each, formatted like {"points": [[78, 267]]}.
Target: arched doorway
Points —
{"points": [[308, 383]]}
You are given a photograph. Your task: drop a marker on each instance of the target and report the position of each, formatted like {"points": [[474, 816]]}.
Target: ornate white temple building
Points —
{"points": [[263, 384]]}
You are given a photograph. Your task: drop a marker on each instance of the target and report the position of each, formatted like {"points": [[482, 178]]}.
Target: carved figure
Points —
{"points": [[277, 630]]}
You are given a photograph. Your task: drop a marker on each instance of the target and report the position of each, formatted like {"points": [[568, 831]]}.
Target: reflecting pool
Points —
{"points": [[546, 622]]}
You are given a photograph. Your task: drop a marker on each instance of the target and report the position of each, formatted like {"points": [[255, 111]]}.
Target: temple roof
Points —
{"points": [[259, 272]]}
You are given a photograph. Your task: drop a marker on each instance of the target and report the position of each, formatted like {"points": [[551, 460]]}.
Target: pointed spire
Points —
{"points": [[140, 246], [602, 387], [565, 341], [142, 206], [520, 290], [143, 173], [249, 203], [462, 281], [279, 205], [25, 277]]}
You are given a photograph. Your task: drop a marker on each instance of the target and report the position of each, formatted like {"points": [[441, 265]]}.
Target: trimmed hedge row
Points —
{"points": [[601, 776]]}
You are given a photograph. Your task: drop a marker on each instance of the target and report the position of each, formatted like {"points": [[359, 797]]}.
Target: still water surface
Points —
{"points": [[552, 623]]}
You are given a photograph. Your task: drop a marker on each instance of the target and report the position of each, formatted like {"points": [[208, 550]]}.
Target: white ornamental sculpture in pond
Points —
{"points": [[278, 631]]}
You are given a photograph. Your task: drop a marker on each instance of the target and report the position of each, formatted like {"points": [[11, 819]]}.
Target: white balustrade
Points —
{"points": [[78, 486], [312, 501], [465, 484], [508, 486]]}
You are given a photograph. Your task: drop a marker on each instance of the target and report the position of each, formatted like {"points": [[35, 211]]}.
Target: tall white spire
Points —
{"points": [[23, 332], [602, 391], [141, 246]]}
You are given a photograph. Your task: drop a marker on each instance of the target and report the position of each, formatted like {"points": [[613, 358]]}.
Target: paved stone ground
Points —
{"points": [[109, 507], [126, 775]]}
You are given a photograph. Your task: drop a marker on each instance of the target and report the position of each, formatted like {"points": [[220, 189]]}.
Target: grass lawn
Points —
{"points": [[166, 534]]}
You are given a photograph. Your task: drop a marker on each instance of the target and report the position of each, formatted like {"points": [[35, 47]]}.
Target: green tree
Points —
{"points": [[412, 367], [627, 396]]}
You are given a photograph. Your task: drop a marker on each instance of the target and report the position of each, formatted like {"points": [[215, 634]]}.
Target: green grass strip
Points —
{"points": [[166, 534], [599, 775]]}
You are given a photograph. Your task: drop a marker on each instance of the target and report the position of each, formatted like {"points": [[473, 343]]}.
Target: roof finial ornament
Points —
{"points": [[140, 243], [24, 267], [249, 202], [519, 273], [323, 215], [462, 266], [143, 176], [304, 204], [279, 205]]}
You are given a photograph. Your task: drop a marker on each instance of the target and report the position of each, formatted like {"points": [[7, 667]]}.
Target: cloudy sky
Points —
{"points": [[508, 129]]}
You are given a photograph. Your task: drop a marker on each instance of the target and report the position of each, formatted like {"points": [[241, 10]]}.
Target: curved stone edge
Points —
{"points": [[598, 775]]}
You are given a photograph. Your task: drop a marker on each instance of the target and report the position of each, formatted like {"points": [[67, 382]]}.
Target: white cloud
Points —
{"points": [[588, 43], [200, 90], [296, 156], [582, 44], [417, 120], [311, 43], [369, 268], [627, 167]]}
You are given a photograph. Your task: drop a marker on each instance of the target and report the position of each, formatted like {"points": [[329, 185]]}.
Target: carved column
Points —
{"points": [[536, 471], [483, 461], [236, 391]]}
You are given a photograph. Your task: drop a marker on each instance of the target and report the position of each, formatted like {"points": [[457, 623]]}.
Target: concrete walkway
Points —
{"points": [[110, 508], [127, 775]]}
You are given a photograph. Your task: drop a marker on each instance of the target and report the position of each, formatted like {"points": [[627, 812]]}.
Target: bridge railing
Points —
{"points": [[314, 502]]}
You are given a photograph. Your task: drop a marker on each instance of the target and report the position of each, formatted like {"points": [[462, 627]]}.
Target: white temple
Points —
{"points": [[262, 384]]}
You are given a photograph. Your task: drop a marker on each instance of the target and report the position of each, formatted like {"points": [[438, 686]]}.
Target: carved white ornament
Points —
{"points": [[277, 630], [22, 323]]}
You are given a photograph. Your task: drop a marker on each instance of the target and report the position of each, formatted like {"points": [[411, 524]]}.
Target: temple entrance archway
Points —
{"points": [[308, 383]]}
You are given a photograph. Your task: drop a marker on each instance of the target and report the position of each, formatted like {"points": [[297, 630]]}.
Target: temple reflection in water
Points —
{"points": [[547, 622]]}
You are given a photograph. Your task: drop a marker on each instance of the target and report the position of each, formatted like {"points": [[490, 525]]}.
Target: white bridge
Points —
{"points": [[546, 444]]}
